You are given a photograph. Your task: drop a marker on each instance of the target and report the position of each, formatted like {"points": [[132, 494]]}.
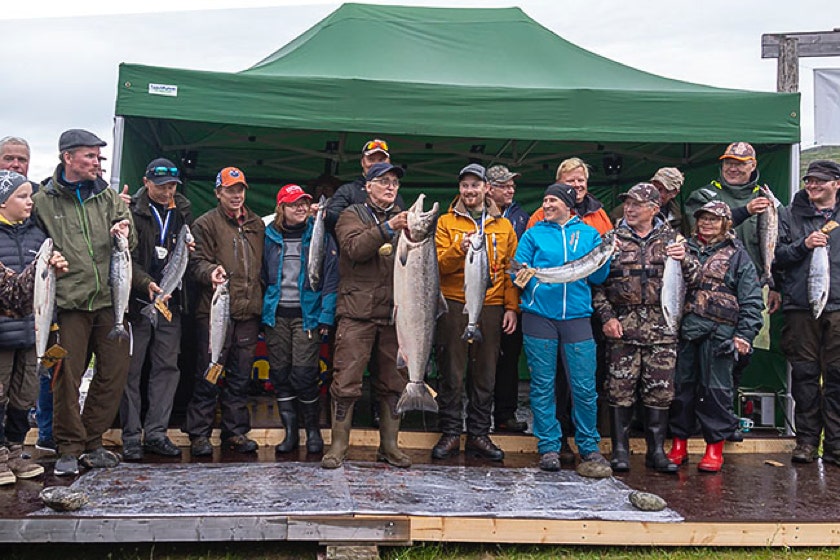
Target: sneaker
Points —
{"points": [[594, 465], [67, 465], [20, 464], [240, 444], [550, 461], [47, 445], [6, 474], [99, 458], [132, 450], [804, 453], [162, 446], [200, 447]]}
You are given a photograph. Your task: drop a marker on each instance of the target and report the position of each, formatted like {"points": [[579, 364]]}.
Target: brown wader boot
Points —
{"points": [[389, 430], [342, 421]]}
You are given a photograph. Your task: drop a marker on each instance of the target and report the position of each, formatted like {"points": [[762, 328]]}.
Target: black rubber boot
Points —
{"points": [[656, 426], [620, 418], [310, 413], [290, 421]]}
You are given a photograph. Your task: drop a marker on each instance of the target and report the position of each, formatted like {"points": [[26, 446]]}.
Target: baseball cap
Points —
{"points": [[76, 137], [473, 169], [291, 193], [564, 192], [381, 168], [716, 208], [230, 176], [375, 145], [161, 171], [670, 177], [499, 174], [642, 192], [824, 169], [740, 151]]}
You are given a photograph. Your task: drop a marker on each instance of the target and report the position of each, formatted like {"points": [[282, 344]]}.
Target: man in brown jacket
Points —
{"points": [[228, 246], [367, 237]]}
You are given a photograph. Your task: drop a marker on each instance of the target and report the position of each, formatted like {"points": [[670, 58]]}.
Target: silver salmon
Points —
{"points": [[819, 280], [44, 297], [315, 260], [476, 282], [672, 295], [578, 268], [418, 303], [120, 280], [173, 273], [219, 319], [768, 234]]}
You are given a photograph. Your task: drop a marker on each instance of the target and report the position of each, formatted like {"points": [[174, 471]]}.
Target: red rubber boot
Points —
{"points": [[712, 461], [679, 452]]}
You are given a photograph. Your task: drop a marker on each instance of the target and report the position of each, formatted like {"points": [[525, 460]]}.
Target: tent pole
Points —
{"points": [[116, 163]]}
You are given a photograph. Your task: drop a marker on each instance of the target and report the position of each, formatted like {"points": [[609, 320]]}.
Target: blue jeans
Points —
{"points": [[44, 408]]}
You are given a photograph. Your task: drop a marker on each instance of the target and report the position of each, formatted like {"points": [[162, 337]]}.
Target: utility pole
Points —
{"points": [[789, 47]]}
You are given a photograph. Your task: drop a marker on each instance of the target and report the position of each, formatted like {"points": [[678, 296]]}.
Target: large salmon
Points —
{"points": [[173, 273], [819, 280], [476, 282], [578, 268], [315, 260], [418, 303], [219, 319], [120, 280], [768, 234], [672, 296], [44, 296]]}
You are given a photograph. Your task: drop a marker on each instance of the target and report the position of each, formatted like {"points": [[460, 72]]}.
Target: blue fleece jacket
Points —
{"points": [[547, 245]]}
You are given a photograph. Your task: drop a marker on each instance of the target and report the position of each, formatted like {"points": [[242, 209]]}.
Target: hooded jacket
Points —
{"points": [[547, 245], [80, 230], [793, 258], [501, 243]]}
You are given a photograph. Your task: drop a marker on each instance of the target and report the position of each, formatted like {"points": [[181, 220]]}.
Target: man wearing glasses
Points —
{"points": [[159, 212], [374, 151], [81, 214], [502, 183], [811, 344]]}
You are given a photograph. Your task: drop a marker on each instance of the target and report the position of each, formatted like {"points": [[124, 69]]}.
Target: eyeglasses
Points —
{"points": [[729, 162], [504, 187], [709, 218], [163, 172], [387, 182], [815, 181], [376, 145]]}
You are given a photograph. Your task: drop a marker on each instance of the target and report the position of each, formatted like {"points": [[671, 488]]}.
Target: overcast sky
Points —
{"points": [[60, 72]]}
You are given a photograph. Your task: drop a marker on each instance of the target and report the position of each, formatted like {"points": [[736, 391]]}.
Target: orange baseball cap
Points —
{"points": [[230, 176]]}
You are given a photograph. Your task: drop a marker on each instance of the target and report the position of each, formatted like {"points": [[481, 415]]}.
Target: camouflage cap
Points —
{"points": [[499, 174], [715, 208], [740, 151], [670, 177], [642, 192]]}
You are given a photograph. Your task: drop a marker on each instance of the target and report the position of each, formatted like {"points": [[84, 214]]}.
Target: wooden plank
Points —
{"points": [[603, 533], [357, 528], [812, 43]]}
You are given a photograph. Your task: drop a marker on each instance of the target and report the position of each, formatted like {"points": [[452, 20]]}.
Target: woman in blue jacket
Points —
{"points": [[556, 317], [296, 315]]}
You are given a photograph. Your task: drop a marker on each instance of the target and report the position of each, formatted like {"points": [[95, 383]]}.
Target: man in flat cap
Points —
{"points": [[810, 343], [81, 214], [641, 348]]}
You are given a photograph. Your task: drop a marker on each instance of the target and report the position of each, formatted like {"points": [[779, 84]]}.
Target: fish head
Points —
{"points": [[188, 236], [46, 250], [120, 243], [420, 223]]}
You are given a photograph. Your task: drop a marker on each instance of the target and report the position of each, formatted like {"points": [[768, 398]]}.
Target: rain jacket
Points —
{"points": [[18, 245]]}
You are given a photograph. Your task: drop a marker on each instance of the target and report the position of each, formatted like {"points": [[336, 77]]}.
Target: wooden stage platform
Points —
{"points": [[759, 499]]}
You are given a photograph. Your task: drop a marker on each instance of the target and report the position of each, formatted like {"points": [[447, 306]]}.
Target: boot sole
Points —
{"points": [[480, 455], [384, 459], [33, 474]]}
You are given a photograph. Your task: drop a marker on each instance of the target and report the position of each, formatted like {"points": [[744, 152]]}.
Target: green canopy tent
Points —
{"points": [[444, 87]]}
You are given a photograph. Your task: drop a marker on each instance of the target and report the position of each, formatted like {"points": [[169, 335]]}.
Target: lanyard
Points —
{"points": [[163, 225]]}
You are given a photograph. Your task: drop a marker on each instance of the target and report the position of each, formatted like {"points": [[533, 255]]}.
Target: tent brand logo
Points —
{"points": [[163, 89]]}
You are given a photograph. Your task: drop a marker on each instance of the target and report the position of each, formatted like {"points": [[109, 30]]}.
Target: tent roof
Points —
{"points": [[483, 73]]}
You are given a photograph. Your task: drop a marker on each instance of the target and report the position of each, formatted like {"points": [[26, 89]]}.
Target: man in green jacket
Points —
{"points": [[81, 214]]}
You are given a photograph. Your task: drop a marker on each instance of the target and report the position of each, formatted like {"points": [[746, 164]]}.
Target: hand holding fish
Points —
{"points": [[58, 262], [676, 251], [613, 328], [122, 228], [816, 239], [758, 205], [398, 222], [218, 276], [155, 289]]}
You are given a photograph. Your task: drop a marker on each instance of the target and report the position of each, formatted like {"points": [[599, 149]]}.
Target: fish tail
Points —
{"points": [[416, 396], [767, 280], [118, 332], [150, 312], [472, 334]]}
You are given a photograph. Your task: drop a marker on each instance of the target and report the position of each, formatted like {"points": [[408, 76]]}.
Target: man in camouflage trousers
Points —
{"points": [[641, 349]]}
